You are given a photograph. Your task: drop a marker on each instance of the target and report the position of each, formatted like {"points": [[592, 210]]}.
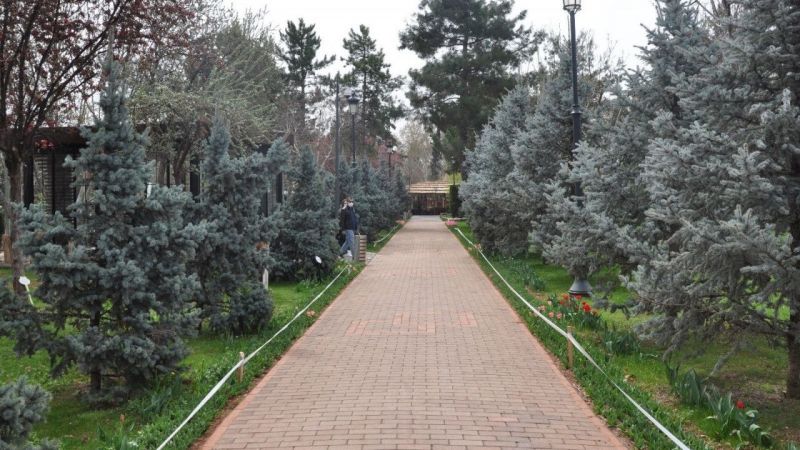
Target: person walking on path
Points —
{"points": [[348, 221]]}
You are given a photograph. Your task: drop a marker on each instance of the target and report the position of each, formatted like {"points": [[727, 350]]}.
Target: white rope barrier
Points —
{"points": [[581, 350], [389, 234], [244, 361]]}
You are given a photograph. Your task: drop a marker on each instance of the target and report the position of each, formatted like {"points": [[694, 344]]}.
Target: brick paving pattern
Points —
{"points": [[419, 352]]}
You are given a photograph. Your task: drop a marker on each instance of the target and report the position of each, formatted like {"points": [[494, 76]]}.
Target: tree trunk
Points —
{"points": [[95, 374], [793, 346], [793, 331], [14, 167], [303, 111], [95, 381]]}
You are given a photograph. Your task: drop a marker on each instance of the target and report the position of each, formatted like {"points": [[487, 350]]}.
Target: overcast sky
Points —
{"points": [[615, 23]]}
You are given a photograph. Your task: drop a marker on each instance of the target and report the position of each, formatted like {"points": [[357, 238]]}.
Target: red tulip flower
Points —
{"points": [[740, 404], [586, 307], [578, 296]]}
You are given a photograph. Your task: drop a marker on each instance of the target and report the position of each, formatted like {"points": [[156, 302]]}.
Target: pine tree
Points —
{"points": [[115, 291], [22, 405], [727, 185], [307, 229], [489, 198], [435, 171], [349, 176], [232, 258], [471, 49], [372, 205], [299, 53], [370, 71], [402, 194], [388, 183]]}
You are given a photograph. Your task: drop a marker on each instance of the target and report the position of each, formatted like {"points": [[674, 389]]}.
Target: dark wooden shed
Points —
{"points": [[52, 146], [46, 175]]}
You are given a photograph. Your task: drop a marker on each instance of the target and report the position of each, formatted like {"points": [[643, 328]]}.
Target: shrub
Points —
{"points": [[247, 310], [235, 254], [454, 201], [22, 405], [305, 246], [690, 388]]}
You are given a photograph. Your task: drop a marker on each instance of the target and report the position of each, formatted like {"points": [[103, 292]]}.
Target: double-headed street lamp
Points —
{"points": [[352, 102], [580, 286]]}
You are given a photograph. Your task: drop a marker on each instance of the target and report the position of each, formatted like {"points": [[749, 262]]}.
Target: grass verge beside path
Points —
{"points": [[606, 400], [151, 417], [384, 237], [756, 375]]}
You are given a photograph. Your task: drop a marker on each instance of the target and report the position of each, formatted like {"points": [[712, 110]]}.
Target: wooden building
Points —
{"points": [[46, 179], [429, 197]]}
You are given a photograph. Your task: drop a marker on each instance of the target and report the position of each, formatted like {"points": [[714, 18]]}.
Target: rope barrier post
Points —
{"points": [[240, 370], [570, 349]]}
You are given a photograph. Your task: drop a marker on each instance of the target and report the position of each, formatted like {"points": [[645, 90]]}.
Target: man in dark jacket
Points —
{"points": [[348, 221]]}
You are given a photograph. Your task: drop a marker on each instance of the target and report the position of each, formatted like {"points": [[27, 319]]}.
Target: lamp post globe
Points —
{"points": [[352, 102], [391, 152], [572, 6]]}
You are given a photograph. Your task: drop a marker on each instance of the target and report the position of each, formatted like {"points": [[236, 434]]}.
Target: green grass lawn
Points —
{"points": [[384, 238], [755, 375], [151, 415]]}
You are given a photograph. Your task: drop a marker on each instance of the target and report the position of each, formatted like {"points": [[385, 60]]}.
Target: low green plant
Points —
{"points": [[621, 343], [748, 430], [304, 285], [724, 414], [121, 439], [527, 275], [690, 388], [155, 402], [731, 418], [588, 319]]}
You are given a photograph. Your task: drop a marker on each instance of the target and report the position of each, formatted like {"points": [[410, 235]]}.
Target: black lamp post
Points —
{"points": [[337, 146], [580, 286], [352, 102]]}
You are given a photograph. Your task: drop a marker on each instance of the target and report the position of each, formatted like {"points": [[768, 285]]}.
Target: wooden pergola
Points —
{"points": [[429, 197]]}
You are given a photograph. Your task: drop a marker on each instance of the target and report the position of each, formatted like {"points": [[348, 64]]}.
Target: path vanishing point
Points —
{"points": [[420, 351]]}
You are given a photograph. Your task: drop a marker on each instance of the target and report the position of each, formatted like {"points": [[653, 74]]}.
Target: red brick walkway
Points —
{"points": [[420, 351]]}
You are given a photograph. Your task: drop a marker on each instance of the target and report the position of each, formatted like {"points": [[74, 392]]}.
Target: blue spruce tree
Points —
{"points": [[116, 296], [544, 150], [372, 205], [22, 405], [307, 229], [233, 257], [496, 213], [727, 186]]}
